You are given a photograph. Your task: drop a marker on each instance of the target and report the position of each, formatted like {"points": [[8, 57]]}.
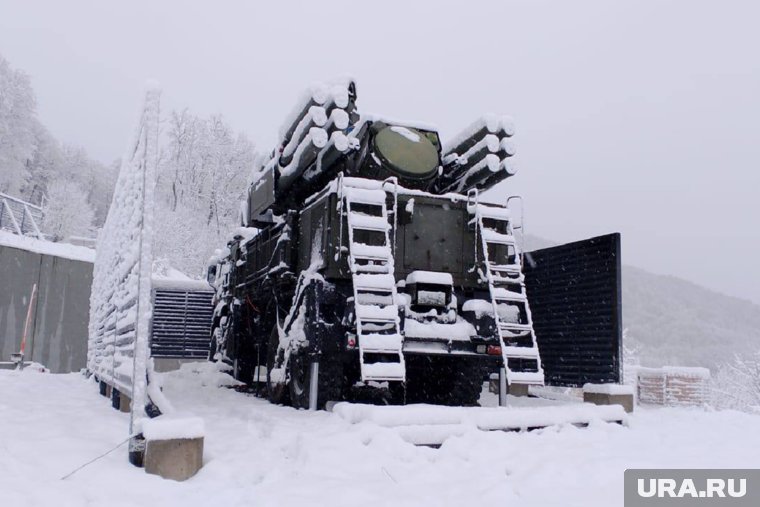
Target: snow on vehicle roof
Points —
{"points": [[367, 117], [319, 93], [405, 132], [63, 250], [491, 122]]}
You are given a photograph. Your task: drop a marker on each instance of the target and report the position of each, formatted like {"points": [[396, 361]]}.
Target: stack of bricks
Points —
{"points": [[673, 386]]}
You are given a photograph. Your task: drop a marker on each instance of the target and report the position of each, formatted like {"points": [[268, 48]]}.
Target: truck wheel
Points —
{"points": [[276, 392], [330, 382]]}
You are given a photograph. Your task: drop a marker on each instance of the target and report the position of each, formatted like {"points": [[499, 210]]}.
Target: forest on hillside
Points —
{"points": [[204, 167]]}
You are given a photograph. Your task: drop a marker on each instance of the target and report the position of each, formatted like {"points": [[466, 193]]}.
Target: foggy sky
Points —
{"points": [[639, 117]]}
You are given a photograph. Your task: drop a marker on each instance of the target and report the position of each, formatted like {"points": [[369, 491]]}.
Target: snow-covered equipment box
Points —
{"points": [[368, 256]]}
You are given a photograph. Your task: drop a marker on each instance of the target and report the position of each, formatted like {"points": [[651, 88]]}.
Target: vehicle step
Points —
{"points": [[525, 377], [383, 371], [498, 238], [381, 343], [365, 195], [375, 313], [360, 221], [520, 352]]}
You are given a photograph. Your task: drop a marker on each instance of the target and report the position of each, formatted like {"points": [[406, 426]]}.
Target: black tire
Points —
{"points": [[212, 346], [330, 382], [242, 370], [276, 393]]}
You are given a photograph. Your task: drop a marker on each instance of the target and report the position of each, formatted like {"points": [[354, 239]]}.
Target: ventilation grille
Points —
{"points": [[181, 323]]}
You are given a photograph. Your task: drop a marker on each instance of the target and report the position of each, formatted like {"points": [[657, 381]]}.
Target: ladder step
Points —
{"points": [[493, 212], [369, 298], [503, 294], [525, 377], [491, 236], [365, 195], [505, 268], [374, 313], [383, 371], [369, 268], [370, 252], [373, 281], [380, 343], [520, 352], [368, 222], [515, 330]]}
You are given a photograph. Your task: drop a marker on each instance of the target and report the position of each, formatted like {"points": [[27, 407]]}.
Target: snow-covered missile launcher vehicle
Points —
{"points": [[367, 257]]}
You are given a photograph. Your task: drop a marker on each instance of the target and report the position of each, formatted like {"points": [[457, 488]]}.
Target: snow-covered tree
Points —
{"points": [[631, 356], [67, 211], [737, 384], [202, 178], [17, 127], [33, 162], [43, 166]]}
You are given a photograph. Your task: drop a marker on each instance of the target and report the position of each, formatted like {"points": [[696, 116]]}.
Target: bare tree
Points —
{"points": [[737, 384]]}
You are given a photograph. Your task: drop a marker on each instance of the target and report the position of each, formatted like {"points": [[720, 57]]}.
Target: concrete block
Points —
{"points": [[518, 389], [514, 389], [177, 459], [626, 400], [125, 404], [119, 400]]}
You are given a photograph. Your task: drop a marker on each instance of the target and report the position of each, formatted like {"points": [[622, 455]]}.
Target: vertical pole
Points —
{"points": [[502, 387], [314, 385]]}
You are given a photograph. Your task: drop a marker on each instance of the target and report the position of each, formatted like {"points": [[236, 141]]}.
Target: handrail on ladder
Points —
{"points": [[394, 180], [473, 196], [339, 253], [521, 227]]}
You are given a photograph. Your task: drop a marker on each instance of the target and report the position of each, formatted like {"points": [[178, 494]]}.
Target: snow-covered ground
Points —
{"points": [[260, 454]]}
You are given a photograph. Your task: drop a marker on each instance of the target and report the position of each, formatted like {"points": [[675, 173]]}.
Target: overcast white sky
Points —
{"points": [[640, 117]]}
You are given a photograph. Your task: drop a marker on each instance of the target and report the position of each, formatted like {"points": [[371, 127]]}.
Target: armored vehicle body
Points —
{"points": [[367, 257]]}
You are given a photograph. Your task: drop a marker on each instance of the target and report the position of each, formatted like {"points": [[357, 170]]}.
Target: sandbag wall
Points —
{"points": [[673, 386]]}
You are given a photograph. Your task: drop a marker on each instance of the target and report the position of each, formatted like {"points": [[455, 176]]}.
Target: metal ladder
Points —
{"points": [[378, 327], [502, 270]]}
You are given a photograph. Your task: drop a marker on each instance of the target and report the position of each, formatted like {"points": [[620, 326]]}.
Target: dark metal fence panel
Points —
{"points": [[58, 335], [181, 326], [575, 299]]}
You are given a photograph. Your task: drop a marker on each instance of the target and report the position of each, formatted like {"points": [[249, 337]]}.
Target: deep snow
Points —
{"points": [[260, 454]]}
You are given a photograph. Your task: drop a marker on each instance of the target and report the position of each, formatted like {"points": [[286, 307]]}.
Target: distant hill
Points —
{"points": [[678, 322]]}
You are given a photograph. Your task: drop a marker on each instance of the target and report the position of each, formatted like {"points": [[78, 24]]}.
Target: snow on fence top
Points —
{"points": [[64, 250], [120, 306]]}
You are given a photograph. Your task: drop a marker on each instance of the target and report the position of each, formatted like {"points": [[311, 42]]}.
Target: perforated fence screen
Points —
{"points": [[575, 300]]}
